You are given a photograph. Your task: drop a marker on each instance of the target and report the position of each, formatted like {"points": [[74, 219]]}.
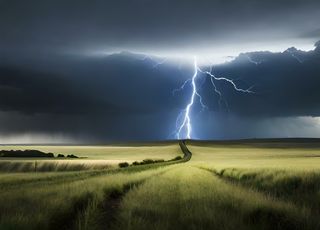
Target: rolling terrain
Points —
{"points": [[258, 184]]}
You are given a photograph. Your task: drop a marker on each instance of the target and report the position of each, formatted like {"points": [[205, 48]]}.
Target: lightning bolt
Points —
{"points": [[183, 122], [235, 87], [186, 122], [219, 94]]}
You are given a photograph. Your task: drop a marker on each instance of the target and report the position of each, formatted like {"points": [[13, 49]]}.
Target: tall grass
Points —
{"points": [[221, 187], [93, 157], [248, 156], [191, 198], [299, 187], [60, 205], [54, 165], [120, 153]]}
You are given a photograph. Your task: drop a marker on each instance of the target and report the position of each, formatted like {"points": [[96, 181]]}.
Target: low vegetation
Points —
{"points": [[132, 153], [301, 188], [236, 186], [53, 165], [151, 161], [123, 164], [188, 197], [59, 202], [24, 153], [73, 158]]}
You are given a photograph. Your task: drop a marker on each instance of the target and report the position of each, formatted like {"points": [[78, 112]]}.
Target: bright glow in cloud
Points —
{"points": [[208, 54]]}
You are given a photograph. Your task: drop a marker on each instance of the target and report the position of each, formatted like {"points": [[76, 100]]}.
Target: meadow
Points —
{"points": [[90, 157], [226, 185]]}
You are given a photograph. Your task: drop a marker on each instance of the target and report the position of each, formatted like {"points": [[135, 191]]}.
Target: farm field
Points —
{"points": [[243, 185], [303, 155], [90, 157]]}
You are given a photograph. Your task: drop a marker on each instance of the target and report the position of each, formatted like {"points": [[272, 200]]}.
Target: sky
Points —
{"points": [[107, 71]]}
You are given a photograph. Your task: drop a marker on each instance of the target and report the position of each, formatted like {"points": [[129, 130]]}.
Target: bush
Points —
{"points": [[50, 155], [60, 155], [123, 164], [147, 161], [176, 158], [158, 161], [72, 156]]}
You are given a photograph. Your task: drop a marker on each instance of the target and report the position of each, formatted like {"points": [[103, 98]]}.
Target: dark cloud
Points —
{"points": [[37, 26], [312, 34], [53, 78], [120, 96], [286, 84], [126, 96]]}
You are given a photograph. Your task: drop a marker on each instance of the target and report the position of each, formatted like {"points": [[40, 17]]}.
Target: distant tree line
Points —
{"points": [[31, 153]]}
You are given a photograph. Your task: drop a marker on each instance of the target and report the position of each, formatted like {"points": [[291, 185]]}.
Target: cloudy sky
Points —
{"points": [[105, 71]]}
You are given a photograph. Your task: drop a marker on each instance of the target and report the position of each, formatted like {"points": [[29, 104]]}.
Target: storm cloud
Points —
{"points": [[99, 71], [126, 96], [169, 26], [285, 84]]}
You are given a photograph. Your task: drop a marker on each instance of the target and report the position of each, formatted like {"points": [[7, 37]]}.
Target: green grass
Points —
{"points": [[192, 198], [244, 185], [301, 188], [303, 156], [61, 201], [91, 157], [112, 153]]}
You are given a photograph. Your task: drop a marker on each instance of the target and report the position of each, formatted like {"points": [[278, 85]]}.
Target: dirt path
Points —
{"points": [[109, 208], [187, 154]]}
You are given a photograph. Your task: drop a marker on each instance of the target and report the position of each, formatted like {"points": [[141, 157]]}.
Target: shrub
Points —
{"points": [[176, 158], [50, 155], [60, 155], [158, 161], [147, 161], [72, 156], [123, 164]]}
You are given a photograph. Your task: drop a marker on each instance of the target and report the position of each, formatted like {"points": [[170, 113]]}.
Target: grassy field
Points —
{"points": [[90, 157], [244, 185], [290, 155]]}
